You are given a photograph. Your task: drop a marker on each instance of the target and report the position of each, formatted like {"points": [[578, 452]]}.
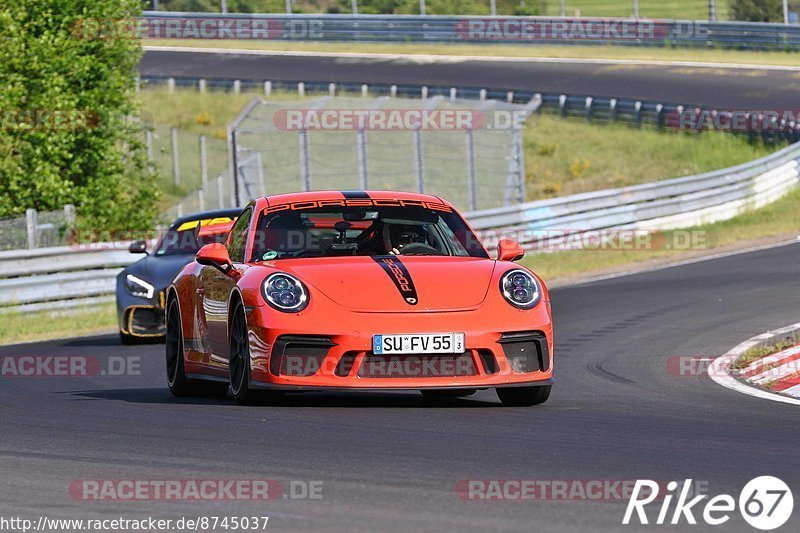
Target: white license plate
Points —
{"points": [[418, 343]]}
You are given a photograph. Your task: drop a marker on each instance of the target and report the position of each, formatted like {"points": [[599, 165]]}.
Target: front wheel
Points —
{"points": [[239, 364], [176, 376], [524, 396]]}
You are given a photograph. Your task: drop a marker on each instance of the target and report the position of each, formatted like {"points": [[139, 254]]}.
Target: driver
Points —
{"points": [[398, 236]]}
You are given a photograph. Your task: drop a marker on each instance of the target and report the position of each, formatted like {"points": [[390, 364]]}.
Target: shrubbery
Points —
{"points": [[49, 73], [757, 10]]}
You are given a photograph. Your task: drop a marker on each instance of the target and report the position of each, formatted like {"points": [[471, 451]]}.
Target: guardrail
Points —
{"points": [[661, 205], [63, 277], [466, 29], [60, 277]]}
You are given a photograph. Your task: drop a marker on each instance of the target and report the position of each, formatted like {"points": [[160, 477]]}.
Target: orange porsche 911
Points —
{"points": [[357, 290]]}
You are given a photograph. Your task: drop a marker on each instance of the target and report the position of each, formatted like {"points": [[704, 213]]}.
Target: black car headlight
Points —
{"points": [[284, 292], [138, 287], [520, 289]]}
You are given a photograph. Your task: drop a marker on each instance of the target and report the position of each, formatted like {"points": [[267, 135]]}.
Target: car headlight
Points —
{"points": [[520, 289], [138, 287], [284, 292]]}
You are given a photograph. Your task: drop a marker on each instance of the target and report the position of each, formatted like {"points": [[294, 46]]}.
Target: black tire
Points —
{"points": [[447, 393], [179, 386], [239, 364], [524, 396]]}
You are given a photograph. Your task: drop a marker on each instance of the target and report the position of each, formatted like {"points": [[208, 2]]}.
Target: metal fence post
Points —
{"points": [[362, 158], [522, 192], [148, 141], [203, 161], [31, 222], [220, 192], [364, 90], [419, 161], [201, 199], [237, 86], [638, 109], [301, 89], [233, 170], [471, 178], [331, 89], [171, 85], [589, 108], [422, 9], [355, 7], [176, 163], [201, 85], [305, 172], [493, 7], [562, 105], [69, 217], [612, 110], [288, 7]]}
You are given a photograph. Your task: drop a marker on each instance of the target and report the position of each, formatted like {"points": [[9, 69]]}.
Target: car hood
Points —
{"points": [[159, 270], [397, 284]]}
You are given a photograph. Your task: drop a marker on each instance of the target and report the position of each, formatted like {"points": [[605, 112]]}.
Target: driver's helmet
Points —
{"points": [[400, 235]]}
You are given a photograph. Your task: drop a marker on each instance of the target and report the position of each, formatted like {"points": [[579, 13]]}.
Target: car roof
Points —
{"points": [[350, 194], [205, 215]]}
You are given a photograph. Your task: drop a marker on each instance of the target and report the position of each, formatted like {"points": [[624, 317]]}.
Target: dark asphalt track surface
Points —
{"points": [[734, 89], [391, 461]]}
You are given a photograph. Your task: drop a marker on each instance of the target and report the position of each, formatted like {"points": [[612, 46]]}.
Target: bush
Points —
{"points": [[97, 161], [757, 10]]}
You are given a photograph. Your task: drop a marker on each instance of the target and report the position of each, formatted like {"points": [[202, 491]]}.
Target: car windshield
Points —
{"points": [[356, 231], [186, 241]]}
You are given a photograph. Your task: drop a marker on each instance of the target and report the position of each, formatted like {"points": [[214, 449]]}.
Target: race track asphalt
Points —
{"points": [[391, 462], [733, 89]]}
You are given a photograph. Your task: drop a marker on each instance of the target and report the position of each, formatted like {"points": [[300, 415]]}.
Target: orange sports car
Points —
{"points": [[357, 290]]}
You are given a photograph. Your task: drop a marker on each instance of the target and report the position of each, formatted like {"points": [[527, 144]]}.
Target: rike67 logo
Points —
{"points": [[765, 503]]}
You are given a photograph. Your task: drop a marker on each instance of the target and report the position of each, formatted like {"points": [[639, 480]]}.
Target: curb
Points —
{"points": [[721, 367]]}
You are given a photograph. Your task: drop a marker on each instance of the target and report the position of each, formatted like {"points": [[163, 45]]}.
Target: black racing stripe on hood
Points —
{"points": [[354, 194], [399, 275]]}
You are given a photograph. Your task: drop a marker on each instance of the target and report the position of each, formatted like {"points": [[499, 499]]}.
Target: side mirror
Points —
{"points": [[138, 247], [216, 255], [508, 250]]}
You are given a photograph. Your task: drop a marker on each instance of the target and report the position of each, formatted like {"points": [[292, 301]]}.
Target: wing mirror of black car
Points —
{"points": [[138, 247]]}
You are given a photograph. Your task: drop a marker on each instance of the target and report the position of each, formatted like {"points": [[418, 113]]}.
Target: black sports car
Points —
{"points": [[140, 286]]}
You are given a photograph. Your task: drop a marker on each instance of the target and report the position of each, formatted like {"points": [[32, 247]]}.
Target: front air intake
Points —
{"points": [[526, 351]]}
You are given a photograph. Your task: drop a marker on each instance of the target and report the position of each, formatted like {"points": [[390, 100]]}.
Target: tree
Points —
{"points": [[757, 10], [66, 105]]}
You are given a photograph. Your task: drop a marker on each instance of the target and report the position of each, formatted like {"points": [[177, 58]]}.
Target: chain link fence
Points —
{"points": [[465, 150]]}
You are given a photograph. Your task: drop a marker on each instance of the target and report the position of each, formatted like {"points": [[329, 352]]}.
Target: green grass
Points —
{"points": [[561, 156], [654, 9], [570, 156], [780, 219], [16, 327], [757, 352], [508, 50]]}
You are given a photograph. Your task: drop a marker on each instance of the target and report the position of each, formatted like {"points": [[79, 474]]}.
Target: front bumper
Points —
{"points": [[139, 317], [509, 348]]}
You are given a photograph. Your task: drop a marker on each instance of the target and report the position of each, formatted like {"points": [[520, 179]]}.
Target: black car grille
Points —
{"points": [[526, 351], [296, 355]]}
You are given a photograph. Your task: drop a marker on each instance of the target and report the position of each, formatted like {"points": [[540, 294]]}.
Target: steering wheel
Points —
{"points": [[418, 248]]}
